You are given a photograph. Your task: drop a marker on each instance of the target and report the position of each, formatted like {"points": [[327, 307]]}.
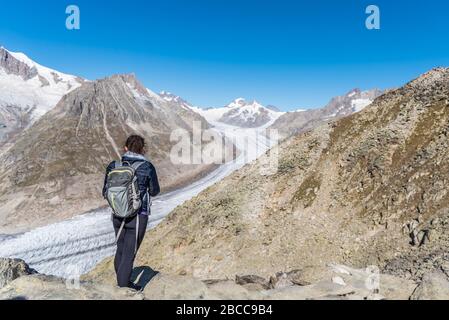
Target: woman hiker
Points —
{"points": [[130, 223]]}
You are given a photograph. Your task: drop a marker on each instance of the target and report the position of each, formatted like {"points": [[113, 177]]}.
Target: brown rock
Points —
{"points": [[11, 269]]}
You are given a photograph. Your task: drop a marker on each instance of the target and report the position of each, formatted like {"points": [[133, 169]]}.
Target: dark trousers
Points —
{"points": [[126, 247]]}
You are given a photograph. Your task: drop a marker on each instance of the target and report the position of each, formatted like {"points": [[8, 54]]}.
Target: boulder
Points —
{"points": [[229, 290], [434, 286], [175, 287], [41, 287], [394, 288], [11, 269], [171, 287], [281, 280], [253, 282], [370, 283]]}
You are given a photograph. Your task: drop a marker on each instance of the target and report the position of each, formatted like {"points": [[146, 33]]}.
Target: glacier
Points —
{"points": [[75, 246]]}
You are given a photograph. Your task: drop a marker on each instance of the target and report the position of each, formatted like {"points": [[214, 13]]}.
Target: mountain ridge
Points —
{"points": [[295, 122], [61, 158], [367, 189]]}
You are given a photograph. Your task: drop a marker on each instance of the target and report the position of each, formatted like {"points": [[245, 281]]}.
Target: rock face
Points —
{"points": [[16, 67], [292, 123], [11, 270], [369, 189], [55, 169]]}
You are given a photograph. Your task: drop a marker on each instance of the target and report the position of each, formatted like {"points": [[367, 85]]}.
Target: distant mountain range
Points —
{"points": [[292, 123], [30, 90], [58, 132], [239, 112], [252, 114]]}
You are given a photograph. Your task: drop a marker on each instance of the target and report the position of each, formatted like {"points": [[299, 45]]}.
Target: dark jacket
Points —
{"points": [[146, 178]]}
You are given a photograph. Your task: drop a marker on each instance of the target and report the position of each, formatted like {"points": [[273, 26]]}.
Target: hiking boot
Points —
{"points": [[134, 287]]}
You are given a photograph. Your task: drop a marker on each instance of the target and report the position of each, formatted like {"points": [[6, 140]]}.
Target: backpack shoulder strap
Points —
{"points": [[136, 165]]}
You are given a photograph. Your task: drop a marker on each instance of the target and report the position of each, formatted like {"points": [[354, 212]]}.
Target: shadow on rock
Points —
{"points": [[141, 276]]}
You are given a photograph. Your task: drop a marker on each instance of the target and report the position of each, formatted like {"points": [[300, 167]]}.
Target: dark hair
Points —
{"points": [[136, 144]]}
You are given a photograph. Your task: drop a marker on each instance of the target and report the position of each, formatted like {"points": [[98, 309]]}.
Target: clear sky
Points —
{"points": [[292, 54]]}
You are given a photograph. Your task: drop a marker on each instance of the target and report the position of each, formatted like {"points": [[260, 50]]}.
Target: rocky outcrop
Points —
{"points": [[16, 67], [19, 282], [41, 287], [340, 283], [11, 270], [434, 286]]}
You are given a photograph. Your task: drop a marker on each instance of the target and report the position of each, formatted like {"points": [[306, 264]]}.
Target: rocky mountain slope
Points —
{"points": [[174, 99], [184, 109], [292, 123], [27, 91], [369, 189], [55, 168]]}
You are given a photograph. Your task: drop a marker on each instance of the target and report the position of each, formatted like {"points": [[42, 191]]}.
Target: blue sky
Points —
{"points": [[292, 54]]}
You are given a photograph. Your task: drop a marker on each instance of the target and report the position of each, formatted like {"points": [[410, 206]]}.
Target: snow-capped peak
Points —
{"points": [[241, 113], [237, 103], [353, 93], [22, 57], [52, 76], [28, 89], [242, 103], [172, 98]]}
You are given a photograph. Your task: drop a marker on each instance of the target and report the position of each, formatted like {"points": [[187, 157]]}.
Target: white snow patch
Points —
{"points": [[360, 104]]}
